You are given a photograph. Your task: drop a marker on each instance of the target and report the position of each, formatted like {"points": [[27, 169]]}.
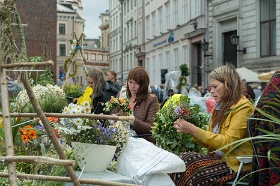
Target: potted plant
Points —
{"points": [[72, 91], [91, 138]]}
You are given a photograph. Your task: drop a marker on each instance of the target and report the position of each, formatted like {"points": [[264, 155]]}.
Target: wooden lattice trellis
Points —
{"points": [[10, 59]]}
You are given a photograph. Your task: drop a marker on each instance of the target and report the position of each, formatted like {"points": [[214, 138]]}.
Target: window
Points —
{"points": [[167, 57], [185, 55], [154, 69], [268, 27], [140, 32], [62, 50], [185, 11], [148, 27], [175, 57], [167, 15], [176, 13], [160, 28], [154, 24], [62, 29]]}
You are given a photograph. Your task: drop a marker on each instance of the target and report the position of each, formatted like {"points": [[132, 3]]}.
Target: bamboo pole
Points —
{"points": [[29, 64], [66, 179], [48, 128], [8, 135], [60, 115], [38, 159]]}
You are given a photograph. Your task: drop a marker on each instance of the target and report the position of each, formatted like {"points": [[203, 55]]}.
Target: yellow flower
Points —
{"points": [[85, 97], [1, 122]]}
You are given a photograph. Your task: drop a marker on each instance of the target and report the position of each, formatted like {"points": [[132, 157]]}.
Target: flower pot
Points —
{"points": [[93, 157]]}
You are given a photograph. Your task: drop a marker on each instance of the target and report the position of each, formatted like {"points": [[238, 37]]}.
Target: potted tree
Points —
{"points": [[183, 78]]}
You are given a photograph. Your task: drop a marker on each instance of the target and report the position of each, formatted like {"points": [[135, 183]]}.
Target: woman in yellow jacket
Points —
{"points": [[228, 123]]}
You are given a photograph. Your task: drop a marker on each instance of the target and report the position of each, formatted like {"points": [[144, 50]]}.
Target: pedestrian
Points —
{"points": [[112, 78], [227, 124], [102, 90], [170, 93], [257, 91], [248, 90]]}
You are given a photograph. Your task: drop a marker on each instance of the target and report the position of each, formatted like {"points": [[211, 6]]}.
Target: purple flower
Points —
{"points": [[178, 110], [39, 127]]}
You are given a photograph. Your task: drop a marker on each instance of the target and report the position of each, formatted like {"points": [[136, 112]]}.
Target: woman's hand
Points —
{"points": [[186, 127]]}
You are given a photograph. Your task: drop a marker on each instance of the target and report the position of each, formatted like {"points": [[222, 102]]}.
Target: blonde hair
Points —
{"points": [[232, 89], [99, 80]]}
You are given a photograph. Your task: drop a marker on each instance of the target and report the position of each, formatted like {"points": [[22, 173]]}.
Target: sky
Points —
{"points": [[91, 13]]}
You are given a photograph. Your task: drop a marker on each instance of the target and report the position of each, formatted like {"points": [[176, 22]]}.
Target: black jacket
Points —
{"points": [[109, 89]]}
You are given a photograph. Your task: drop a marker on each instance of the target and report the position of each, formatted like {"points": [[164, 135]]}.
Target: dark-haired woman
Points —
{"points": [[143, 104]]}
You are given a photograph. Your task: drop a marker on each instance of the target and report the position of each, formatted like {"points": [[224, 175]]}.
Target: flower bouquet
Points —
{"points": [[167, 137], [118, 105]]}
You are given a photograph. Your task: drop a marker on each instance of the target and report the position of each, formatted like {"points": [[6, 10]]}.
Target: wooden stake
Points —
{"points": [[8, 135], [47, 126]]}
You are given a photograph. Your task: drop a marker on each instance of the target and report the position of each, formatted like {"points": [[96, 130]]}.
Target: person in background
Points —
{"points": [[248, 91], [208, 92], [161, 93], [170, 93], [266, 158], [143, 104], [227, 124], [112, 77], [257, 91], [200, 91], [102, 90], [154, 90]]}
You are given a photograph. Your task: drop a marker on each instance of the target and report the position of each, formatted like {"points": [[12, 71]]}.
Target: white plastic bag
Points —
{"points": [[147, 164]]}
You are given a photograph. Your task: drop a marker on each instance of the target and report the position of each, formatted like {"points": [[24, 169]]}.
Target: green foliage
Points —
{"points": [[185, 70], [74, 91], [51, 104], [164, 132], [42, 78]]}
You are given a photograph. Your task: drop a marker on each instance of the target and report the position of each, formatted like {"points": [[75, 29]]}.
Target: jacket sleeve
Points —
{"points": [[233, 128], [144, 127]]}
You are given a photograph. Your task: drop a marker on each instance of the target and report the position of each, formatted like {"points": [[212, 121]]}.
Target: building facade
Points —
{"points": [[173, 31], [257, 24], [69, 24], [123, 24], [39, 29]]}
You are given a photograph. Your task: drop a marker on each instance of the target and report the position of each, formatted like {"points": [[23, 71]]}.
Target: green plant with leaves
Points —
{"points": [[183, 78], [74, 91], [164, 132]]}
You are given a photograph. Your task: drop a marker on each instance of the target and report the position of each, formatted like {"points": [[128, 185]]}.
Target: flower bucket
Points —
{"points": [[93, 157]]}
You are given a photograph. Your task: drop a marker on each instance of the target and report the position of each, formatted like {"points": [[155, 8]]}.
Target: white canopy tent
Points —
{"points": [[248, 75]]}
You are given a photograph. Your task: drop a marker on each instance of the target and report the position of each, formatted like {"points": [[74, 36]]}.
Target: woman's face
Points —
{"points": [[90, 82], [133, 86], [217, 89], [110, 76]]}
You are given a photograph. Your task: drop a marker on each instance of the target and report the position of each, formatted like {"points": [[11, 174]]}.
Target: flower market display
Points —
{"points": [[167, 137], [22, 102]]}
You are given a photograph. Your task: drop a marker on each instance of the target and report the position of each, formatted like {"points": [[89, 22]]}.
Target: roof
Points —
{"points": [[62, 8]]}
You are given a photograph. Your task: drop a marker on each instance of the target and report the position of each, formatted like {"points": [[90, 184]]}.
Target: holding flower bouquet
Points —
{"points": [[121, 105], [178, 106]]}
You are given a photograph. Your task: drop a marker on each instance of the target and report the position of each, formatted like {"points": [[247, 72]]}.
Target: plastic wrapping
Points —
{"points": [[148, 164]]}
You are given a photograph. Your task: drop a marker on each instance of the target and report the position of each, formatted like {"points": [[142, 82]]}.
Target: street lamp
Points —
{"points": [[204, 46], [234, 41], [121, 3]]}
